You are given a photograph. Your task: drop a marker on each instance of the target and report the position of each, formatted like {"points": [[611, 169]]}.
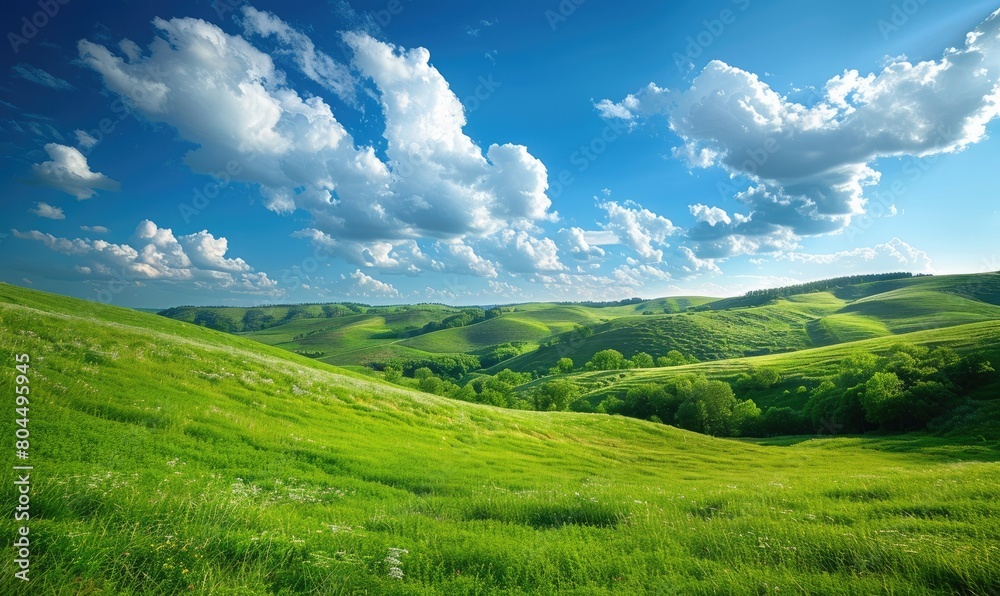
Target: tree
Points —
{"points": [[673, 358], [642, 401], [782, 421], [606, 360], [610, 405], [565, 365], [393, 373], [856, 369], [422, 373], [746, 419], [764, 377], [707, 407], [925, 401], [642, 360], [554, 395], [883, 398], [255, 319], [431, 384], [213, 320]]}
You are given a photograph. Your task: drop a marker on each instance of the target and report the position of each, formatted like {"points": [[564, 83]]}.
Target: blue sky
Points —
{"points": [[479, 152]]}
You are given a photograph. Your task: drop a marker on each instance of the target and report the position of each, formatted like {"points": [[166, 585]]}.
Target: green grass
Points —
{"points": [[170, 458], [804, 367], [728, 328], [477, 337]]}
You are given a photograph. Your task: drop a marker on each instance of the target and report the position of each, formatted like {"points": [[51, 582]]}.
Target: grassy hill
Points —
{"points": [[805, 367], [359, 335], [787, 323], [766, 322], [172, 458]]}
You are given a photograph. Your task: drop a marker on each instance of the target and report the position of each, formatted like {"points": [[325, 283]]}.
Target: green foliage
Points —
{"points": [[607, 360], [675, 358], [642, 360], [393, 373], [610, 405], [746, 419], [883, 398], [707, 407], [782, 421], [554, 395]]}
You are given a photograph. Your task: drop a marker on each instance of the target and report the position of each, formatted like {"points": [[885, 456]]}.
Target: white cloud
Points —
{"points": [[313, 63], [692, 264], [810, 165], [646, 102], [40, 77], [895, 254], [68, 171], [640, 275], [207, 252], [84, 139], [48, 211], [709, 215], [155, 254], [95, 229], [575, 241], [638, 228], [465, 260], [368, 286], [436, 183], [520, 252]]}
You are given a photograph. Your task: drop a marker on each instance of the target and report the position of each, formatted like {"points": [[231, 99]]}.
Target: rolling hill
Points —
{"points": [[173, 458], [767, 322], [787, 323]]}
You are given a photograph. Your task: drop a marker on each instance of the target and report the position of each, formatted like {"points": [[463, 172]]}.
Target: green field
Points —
{"points": [[801, 368], [708, 329], [171, 458]]}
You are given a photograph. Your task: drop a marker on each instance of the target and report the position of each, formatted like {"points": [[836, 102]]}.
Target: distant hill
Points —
{"points": [[532, 337]]}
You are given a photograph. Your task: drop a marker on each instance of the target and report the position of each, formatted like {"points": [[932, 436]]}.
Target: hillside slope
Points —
{"points": [[171, 458], [788, 323]]}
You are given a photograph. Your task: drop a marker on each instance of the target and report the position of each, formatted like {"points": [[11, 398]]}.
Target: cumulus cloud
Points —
{"points": [[809, 165], [316, 65], [464, 260], [434, 184], [638, 228], [710, 215], [646, 102], [95, 229], [397, 256], [894, 254], [156, 254], [576, 243], [68, 171], [520, 252], [40, 77], [48, 211], [369, 287]]}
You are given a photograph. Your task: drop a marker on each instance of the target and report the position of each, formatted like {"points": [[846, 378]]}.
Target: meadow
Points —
{"points": [[173, 458]]}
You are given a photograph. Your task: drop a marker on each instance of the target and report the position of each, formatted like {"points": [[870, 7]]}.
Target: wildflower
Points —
{"points": [[392, 559]]}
